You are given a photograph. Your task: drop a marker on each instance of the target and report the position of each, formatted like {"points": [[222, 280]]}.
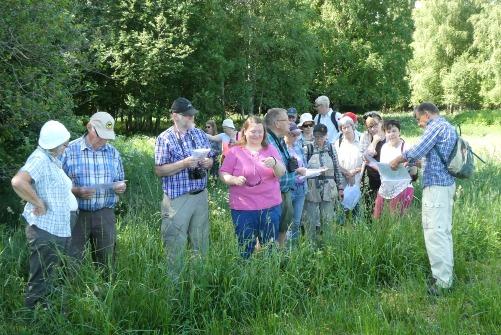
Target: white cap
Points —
{"points": [[53, 134], [306, 117], [228, 123]]}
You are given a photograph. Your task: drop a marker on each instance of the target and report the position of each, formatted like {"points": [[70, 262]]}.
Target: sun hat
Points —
{"points": [[228, 123], [306, 117], [53, 134], [183, 106], [103, 123]]}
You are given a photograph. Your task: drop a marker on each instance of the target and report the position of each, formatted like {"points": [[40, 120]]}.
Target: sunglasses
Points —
{"points": [[310, 125], [208, 126]]}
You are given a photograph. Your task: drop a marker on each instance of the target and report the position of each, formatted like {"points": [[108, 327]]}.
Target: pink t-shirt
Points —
{"points": [[262, 188]]}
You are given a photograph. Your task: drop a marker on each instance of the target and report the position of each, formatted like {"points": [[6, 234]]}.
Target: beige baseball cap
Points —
{"points": [[104, 124]]}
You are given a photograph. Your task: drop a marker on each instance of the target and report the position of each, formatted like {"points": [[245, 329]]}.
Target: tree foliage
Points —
{"points": [[457, 57]]}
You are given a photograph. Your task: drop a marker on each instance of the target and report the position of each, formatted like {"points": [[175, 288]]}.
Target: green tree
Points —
{"points": [[486, 52], [365, 51], [442, 35], [39, 46]]}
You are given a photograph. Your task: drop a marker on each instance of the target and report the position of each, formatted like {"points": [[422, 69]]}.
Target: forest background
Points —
{"points": [[64, 59]]}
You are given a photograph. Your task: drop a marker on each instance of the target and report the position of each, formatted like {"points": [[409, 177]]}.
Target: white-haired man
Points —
{"points": [[328, 117]]}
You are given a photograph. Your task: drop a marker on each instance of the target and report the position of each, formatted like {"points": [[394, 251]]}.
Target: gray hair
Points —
{"points": [[346, 120], [322, 100], [271, 116], [426, 107]]}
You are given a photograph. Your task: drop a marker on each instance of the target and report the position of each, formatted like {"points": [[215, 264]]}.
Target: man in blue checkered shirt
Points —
{"points": [[277, 125], [182, 158], [438, 192], [96, 169]]}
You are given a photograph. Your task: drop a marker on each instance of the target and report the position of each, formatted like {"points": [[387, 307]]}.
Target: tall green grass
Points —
{"points": [[366, 279]]}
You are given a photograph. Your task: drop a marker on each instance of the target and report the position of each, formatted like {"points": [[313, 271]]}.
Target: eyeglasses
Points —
{"points": [[372, 126], [260, 179], [282, 120]]}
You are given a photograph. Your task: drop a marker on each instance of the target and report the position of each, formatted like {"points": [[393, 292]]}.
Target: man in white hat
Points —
{"points": [[96, 169], [50, 209], [227, 138]]}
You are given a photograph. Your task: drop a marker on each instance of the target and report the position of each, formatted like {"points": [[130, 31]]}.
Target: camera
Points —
{"points": [[292, 164], [197, 173]]}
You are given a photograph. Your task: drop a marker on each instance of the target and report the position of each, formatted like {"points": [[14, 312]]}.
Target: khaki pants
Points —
{"points": [[437, 206], [317, 215], [184, 218]]}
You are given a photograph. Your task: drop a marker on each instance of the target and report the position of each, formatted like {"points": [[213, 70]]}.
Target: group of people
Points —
{"points": [[283, 177]]}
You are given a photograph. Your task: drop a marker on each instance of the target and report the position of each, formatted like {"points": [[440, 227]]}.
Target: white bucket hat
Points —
{"points": [[228, 123], [306, 117], [52, 135]]}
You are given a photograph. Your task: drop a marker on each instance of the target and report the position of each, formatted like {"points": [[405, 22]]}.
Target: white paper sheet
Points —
{"points": [[310, 173], [107, 186], [387, 174], [200, 153]]}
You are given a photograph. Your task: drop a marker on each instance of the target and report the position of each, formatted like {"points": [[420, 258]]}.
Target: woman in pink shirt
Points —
{"points": [[252, 169]]}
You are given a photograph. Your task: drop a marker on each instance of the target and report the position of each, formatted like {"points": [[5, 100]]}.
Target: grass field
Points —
{"points": [[366, 279]]}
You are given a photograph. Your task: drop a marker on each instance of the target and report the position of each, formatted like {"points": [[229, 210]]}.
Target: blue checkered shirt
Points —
{"points": [[438, 134], [288, 180], [86, 167], [53, 187], [169, 148]]}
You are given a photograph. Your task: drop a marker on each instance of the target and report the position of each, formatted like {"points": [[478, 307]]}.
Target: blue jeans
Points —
{"points": [[298, 195], [261, 223]]}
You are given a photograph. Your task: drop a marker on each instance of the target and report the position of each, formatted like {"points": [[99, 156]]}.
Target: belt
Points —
{"points": [[196, 192]]}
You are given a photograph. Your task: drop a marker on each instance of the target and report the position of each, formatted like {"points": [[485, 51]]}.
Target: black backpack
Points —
{"points": [[333, 120]]}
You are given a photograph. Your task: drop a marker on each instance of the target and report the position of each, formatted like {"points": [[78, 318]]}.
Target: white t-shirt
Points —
{"points": [[332, 133], [390, 190], [349, 156]]}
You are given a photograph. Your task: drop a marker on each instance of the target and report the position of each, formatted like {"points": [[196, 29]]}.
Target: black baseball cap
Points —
{"points": [[320, 129], [183, 106]]}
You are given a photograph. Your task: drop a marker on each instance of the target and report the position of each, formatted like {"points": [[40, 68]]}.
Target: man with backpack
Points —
{"points": [[324, 191], [328, 117], [439, 186]]}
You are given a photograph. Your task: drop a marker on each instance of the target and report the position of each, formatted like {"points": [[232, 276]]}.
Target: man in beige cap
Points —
{"points": [[96, 169]]}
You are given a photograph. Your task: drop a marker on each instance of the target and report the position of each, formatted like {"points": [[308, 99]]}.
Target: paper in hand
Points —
{"points": [[200, 153], [387, 174]]}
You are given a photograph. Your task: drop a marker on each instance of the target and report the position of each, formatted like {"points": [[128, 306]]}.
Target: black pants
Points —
{"points": [[46, 252]]}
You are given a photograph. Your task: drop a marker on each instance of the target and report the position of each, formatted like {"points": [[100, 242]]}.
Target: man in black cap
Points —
{"points": [[182, 157]]}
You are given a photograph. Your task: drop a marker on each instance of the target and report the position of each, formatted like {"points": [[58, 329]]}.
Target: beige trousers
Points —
{"points": [[184, 218], [437, 227]]}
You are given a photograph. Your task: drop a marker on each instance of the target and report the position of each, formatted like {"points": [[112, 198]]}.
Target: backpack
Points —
{"points": [[460, 163], [309, 153], [333, 120]]}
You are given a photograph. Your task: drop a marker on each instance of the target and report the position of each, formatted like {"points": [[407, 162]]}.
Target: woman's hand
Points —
{"points": [[269, 162], [39, 209], [238, 180]]}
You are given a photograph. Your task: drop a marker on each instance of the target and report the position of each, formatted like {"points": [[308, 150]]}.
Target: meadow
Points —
{"points": [[365, 279]]}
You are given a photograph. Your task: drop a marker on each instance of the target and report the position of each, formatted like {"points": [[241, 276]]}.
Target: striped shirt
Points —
{"points": [[54, 188], [288, 180], [169, 148], [438, 134], [87, 167]]}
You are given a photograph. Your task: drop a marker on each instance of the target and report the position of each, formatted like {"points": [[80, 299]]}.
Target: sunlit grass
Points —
{"points": [[366, 279]]}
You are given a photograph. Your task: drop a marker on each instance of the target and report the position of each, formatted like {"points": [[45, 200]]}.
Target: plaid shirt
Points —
{"points": [[288, 180], [169, 148], [87, 167], [438, 134], [53, 187]]}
